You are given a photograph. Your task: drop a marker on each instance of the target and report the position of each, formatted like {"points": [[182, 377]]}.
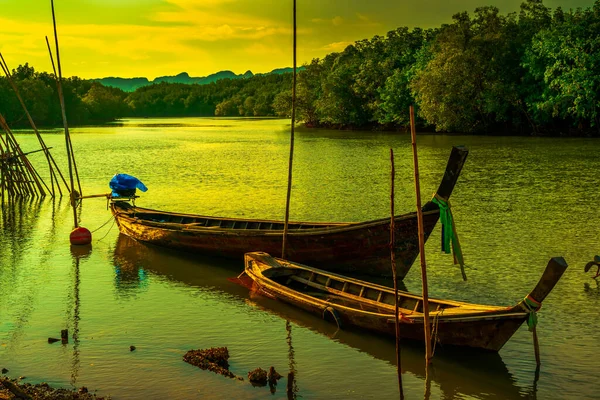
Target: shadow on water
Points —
{"points": [[457, 372]]}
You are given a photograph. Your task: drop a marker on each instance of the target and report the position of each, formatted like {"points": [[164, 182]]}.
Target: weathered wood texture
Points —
{"points": [[371, 307]]}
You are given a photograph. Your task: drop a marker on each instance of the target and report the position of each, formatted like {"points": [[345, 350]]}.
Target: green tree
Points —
{"points": [[566, 59]]}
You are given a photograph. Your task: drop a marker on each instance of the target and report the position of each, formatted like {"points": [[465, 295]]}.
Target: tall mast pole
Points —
{"points": [[291, 160]]}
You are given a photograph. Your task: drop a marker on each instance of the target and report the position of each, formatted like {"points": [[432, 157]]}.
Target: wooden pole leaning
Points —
{"points": [[58, 76], [291, 159], [19, 177], [12, 146], [51, 162], [393, 262], [426, 321], [70, 155], [536, 347]]}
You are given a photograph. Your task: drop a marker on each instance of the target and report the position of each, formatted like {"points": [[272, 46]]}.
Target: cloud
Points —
{"points": [[365, 20], [336, 46], [259, 49], [337, 21]]}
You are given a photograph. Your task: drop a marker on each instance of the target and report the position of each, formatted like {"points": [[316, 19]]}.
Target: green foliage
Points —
{"points": [[532, 72], [565, 59], [85, 102]]}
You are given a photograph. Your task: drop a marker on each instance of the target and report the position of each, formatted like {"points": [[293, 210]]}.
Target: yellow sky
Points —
{"points": [[132, 38]]}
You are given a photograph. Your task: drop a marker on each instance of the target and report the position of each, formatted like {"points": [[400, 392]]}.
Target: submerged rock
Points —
{"points": [[214, 359]]}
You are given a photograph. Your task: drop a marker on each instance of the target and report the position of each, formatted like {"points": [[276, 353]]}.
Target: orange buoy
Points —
{"points": [[80, 236]]}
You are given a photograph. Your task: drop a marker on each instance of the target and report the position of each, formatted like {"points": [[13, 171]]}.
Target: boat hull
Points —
{"points": [[488, 333], [356, 248], [359, 304], [350, 248]]}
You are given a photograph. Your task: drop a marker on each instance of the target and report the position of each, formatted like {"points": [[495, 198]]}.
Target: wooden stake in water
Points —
{"points": [[536, 347], [426, 321], [291, 160], [393, 261]]}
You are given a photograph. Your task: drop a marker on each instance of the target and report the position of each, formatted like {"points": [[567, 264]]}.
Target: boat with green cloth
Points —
{"points": [[346, 247], [352, 303]]}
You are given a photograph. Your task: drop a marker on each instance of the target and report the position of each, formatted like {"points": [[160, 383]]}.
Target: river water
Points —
{"points": [[519, 202]]}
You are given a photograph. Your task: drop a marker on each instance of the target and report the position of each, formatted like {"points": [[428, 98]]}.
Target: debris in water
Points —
{"points": [[131, 348], [213, 359], [258, 377], [64, 335], [273, 376], [52, 340]]}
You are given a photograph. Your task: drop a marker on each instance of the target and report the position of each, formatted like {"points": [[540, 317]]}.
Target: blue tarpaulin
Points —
{"points": [[123, 185]]}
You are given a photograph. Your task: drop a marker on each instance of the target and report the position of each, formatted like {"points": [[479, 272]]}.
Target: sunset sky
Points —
{"points": [[132, 38]]}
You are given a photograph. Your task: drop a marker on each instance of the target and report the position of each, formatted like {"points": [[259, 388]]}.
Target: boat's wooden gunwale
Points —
{"points": [[370, 285], [325, 229], [141, 210], [283, 291], [455, 307], [463, 309]]}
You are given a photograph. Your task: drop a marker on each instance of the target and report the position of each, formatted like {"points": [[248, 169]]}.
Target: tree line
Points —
{"points": [[534, 72]]}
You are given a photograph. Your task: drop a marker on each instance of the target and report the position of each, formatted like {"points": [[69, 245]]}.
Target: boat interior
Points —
{"points": [[216, 222]]}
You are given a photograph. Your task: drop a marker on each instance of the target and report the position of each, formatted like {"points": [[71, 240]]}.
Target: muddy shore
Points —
{"points": [[15, 389]]}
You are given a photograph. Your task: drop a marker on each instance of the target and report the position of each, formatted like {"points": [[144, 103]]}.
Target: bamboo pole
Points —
{"points": [[70, 154], [22, 165], [91, 196], [393, 262], [12, 145], [291, 159], [49, 157], [426, 321]]}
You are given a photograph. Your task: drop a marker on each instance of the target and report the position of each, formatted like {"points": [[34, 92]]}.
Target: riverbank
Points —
{"points": [[15, 389]]}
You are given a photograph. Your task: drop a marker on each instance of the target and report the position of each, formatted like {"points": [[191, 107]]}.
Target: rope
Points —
{"points": [[449, 235], [103, 224], [109, 229], [532, 306], [435, 330], [335, 316]]}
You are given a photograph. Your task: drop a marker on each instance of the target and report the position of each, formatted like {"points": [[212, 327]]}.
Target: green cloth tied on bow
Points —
{"points": [[450, 237], [531, 306]]}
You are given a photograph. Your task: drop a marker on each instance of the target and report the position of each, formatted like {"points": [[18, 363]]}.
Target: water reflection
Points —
{"points": [[18, 224], [128, 261], [18, 233], [292, 386], [78, 253], [592, 289], [456, 372]]}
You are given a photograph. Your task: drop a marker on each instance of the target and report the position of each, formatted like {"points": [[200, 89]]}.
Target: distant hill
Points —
{"points": [[131, 84]]}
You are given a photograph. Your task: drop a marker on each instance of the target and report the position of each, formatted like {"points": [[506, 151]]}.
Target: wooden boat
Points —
{"points": [[369, 306], [362, 247]]}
